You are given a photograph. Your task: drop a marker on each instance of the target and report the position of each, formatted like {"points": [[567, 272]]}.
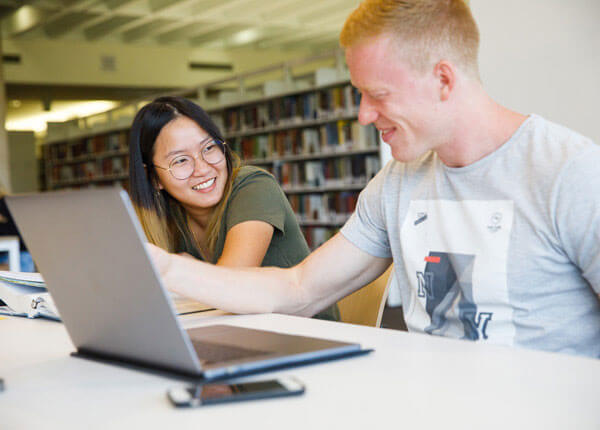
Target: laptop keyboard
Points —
{"points": [[210, 353]]}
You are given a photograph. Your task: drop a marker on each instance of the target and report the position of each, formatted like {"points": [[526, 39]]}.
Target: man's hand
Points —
{"points": [[160, 258]]}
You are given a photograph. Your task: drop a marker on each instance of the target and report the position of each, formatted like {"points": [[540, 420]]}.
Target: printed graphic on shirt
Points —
{"points": [[447, 278], [455, 256]]}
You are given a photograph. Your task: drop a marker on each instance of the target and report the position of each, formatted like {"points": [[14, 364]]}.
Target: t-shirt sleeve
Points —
{"points": [[577, 213], [366, 228], [257, 197]]}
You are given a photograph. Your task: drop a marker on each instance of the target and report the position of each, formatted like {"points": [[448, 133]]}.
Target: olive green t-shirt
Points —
{"points": [[256, 196]]}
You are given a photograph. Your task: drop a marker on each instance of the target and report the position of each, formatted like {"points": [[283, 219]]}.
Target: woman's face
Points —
{"points": [[181, 142]]}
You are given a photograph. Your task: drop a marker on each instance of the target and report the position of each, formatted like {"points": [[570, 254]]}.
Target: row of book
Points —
{"points": [[331, 172], [292, 109], [98, 183], [337, 136], [89, 146], [90, 169], [334, 208]]}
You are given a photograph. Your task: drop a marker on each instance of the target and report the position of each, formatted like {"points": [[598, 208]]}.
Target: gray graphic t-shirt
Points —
{"points": [[505, 250]]}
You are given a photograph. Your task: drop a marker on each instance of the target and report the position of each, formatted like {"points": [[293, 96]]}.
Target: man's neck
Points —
{"points": [[480, 127]]}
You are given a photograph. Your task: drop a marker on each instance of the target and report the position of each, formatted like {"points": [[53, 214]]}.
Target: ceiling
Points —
{"points": [[245, 26], [209, 23]]}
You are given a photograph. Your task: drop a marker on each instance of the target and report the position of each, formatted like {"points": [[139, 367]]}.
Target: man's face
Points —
{"points": [[402, 103]]}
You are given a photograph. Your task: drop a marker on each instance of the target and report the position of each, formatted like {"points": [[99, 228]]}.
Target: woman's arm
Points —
{"points": [[246, 244]]}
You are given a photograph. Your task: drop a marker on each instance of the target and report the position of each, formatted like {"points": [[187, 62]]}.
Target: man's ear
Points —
{"points": [[445, 74]]}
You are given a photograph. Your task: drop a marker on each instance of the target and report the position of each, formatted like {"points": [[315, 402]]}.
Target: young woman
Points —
{"points": [[193, 197]]}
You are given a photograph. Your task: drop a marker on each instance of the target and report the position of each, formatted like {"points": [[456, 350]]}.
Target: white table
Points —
{"points": [[10, 244], [410, 382]]}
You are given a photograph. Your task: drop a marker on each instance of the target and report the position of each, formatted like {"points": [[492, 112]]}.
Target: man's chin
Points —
{"points": [[403, 156]]}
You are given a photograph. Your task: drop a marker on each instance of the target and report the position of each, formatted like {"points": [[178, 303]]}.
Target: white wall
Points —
{"points": [[543, 56]]}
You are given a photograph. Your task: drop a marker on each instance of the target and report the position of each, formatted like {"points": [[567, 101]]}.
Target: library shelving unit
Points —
{"points": [[306, 133], [87, 161]]}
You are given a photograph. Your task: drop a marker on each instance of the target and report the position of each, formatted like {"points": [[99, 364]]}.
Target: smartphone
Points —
{"points": [[210, 394]]}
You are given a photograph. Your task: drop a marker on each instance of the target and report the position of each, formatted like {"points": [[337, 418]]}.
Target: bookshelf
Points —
{"points": [[95, 160], [309, 138], [313, 144]]}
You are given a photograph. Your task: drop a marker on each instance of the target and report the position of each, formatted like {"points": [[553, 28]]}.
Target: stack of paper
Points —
{"points": [[184, 306], [24, 294]]}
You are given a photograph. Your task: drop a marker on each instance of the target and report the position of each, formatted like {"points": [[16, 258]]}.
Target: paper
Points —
{"points": [[24, 294], [23, 278], [183, 305]]}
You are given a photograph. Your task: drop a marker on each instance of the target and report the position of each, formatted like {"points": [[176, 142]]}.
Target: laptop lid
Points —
{"points": [[89, 246]]}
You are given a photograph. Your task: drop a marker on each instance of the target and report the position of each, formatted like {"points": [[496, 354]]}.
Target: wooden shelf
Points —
{"points": [[323, 189], [89, 157], [95, 179], [292, 124], [321, 224]]}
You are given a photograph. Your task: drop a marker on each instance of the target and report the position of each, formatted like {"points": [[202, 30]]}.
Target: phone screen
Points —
{"points": [[217, 391], [220, 393]]}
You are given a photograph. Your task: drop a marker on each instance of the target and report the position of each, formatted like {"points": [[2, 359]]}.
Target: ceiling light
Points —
{"points": [[37, 122]]}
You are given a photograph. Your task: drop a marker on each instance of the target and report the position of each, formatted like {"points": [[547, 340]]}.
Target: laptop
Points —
{"points": [[89, 247]]}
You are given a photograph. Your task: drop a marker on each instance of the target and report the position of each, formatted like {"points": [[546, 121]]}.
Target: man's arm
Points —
{"points": [[333, 271]]}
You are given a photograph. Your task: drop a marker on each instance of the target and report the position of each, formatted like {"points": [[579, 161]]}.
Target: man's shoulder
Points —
{"points": [[551, 146], [557, 137]]}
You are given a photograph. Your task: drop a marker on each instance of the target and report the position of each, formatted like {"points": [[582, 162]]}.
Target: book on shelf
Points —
{"points": [[116, 141], [310, 141], [355, 169], [336, 137], [292, 109], [317, 236], [332, 208]]}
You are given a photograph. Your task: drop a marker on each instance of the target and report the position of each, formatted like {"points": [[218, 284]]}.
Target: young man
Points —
{"points": [[490, 216]]}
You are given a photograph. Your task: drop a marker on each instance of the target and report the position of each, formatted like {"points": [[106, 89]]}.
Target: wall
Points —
{"points": [[542, 56], [23, 162]]}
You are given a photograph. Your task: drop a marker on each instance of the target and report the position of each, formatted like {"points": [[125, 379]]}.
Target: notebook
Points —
{"points": [[89, 247], [24, 294]]}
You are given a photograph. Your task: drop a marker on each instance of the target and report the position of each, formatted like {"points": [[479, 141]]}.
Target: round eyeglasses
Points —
{"points": [[182, 166]]}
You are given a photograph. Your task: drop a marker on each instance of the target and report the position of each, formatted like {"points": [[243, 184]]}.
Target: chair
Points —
{"points": [[365, 306]]}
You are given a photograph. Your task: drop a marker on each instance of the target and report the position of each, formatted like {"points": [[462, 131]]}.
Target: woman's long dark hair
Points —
{"points": [[163, 218]]}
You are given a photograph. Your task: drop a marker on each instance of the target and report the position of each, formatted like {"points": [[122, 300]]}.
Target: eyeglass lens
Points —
{"points": [[183, 166]]}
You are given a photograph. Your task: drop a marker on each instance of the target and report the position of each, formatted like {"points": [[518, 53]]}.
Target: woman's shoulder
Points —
{"points": [[248, 174]]}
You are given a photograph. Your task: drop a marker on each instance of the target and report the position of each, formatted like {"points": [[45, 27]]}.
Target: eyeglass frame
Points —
{"points": [[222, 144]]}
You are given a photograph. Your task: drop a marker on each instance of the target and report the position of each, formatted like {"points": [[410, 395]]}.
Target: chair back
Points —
{"points": [[365, 306]]}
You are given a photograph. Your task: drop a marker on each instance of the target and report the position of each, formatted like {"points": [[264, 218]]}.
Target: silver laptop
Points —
{"points": [[89, 247]]}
